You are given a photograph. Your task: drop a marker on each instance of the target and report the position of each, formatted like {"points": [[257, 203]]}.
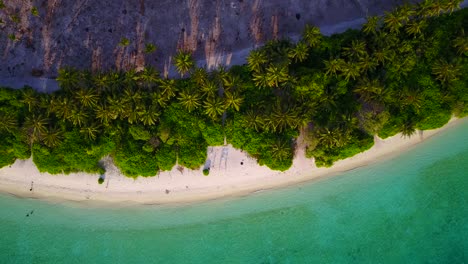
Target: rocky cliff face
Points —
{"points": [[86, 33]]}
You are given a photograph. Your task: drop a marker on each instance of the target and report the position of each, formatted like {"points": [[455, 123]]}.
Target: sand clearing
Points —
{"points": [[232, 173]]}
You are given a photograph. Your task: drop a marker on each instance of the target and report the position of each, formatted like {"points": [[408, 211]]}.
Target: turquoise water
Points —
{"points": [[410, 209]]}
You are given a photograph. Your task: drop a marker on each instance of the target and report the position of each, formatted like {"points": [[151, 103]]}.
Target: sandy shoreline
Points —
{"points": [[228, 178]]}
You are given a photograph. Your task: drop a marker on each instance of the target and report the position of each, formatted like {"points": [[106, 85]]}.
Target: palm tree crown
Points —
{"points": [[184, 62]]}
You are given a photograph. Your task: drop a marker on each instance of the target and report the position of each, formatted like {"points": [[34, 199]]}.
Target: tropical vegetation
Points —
{"points": [[404, 71]]}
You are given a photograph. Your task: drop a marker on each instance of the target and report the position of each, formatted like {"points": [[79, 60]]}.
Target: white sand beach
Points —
{"points": [[233, 173]]}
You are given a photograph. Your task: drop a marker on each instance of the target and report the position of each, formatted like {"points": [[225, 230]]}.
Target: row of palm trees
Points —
{"points": [[267, 98], [410, 17]]}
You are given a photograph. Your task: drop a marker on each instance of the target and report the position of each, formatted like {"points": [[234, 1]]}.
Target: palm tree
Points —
{"points": [[356, 50], [118, 106], [148, 76], [411, 98], [393, 21], [105, 114], [102, 82], [430, 8], [383, 55], [150, 48], [209, 89], [52, 137], [115, 79], [133, 115], [370, 90], [277, 51], [260, 79], [461, 44], [214, 107], [424, 8], [7, 122], [372, 25], [281, 150], [312, 36], [91, 131], [78, 117], [168, 88], [87, 97], [199, 76], [68, 78], [251, 119], [328, 101], [184, 62], [451, 5], [53, 105], [256, 60], [331, 138], [130, 78], [44, 102], [408, 128], [189, 100], [415, 27], [233, 100], [232, 81], [35, 126], [446, 72], [300, 52], [333, 66], [282, 118], [437, 8], [219, 75], [351, 71], [149, 116], [29, 98], [367, 63], [134, 96], [158, 98], [276, 75], [63, 108], [406, 12]]}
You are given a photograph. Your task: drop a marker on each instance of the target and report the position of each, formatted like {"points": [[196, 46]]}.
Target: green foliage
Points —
{"points": [[325, 156], [100, 180], [212, 133], [13, 143], [74, 154], [166, 157], [192, 155], [124, 42], [139, 132], [401, 73], [34, 11], [137, 158], [132, 161], [148, 147], [206, 172], [391, 128], [372, 123], [184, 62], [270, 149], [15, 19], [12, 147], [150, 48]]}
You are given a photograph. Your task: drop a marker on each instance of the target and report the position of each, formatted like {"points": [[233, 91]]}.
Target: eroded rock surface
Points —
{"points": [[86, 33]]}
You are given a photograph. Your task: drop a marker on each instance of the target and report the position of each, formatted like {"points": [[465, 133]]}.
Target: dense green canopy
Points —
{"points": [[404, 71]]}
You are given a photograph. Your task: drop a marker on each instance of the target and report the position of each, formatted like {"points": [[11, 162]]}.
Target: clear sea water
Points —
{"points": [[412, 208]]}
